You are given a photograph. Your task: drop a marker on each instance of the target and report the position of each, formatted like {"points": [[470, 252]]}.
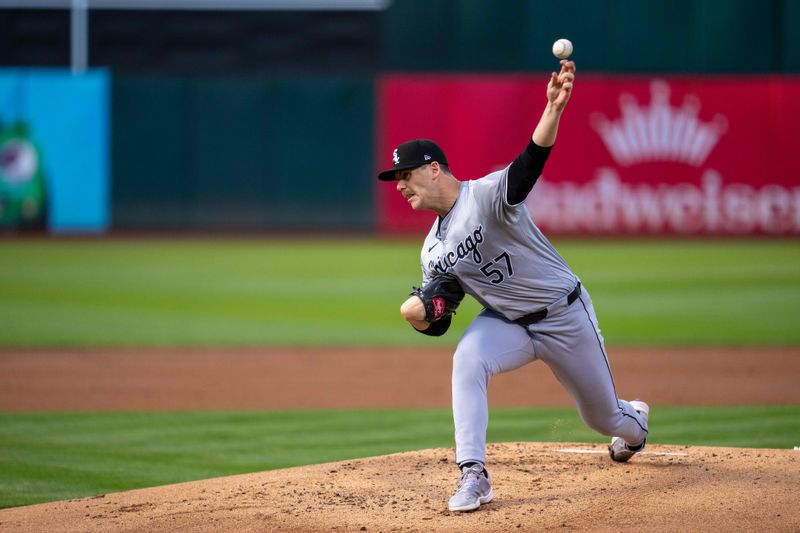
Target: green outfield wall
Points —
{"points": [[681, 36], [675, 36], [242, 154]]}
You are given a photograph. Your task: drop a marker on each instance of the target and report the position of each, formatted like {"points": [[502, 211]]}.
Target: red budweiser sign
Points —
{"points": [[635, 155]]}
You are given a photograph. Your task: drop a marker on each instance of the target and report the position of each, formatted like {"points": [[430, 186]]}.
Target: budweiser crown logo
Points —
{"points": [[659, 132]]}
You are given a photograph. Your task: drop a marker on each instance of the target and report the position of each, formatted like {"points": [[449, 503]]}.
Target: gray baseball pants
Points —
{"points": [[568, 340]]}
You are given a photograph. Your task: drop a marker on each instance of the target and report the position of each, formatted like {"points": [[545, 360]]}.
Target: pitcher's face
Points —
{"points": [[416, 185]]}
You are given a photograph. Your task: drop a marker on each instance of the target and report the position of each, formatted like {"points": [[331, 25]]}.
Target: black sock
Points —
{"points": [[635, 448], [468, 464]]}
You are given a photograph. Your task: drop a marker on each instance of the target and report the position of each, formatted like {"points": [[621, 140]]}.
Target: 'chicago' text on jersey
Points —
{"points": [[469, 244]]}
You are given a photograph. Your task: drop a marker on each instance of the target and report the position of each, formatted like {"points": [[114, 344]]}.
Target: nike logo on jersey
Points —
{"points": [[434, 246], [466, 247]]}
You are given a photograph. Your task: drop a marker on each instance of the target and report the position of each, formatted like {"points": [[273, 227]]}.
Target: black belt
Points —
{"points": [[540, 315]]}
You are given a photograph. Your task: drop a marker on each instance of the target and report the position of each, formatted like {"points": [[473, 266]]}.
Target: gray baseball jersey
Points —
{"points": [[496, 251]]}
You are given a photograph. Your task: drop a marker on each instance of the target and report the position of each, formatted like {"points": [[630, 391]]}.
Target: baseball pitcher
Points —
{"points": [[485, 243]]}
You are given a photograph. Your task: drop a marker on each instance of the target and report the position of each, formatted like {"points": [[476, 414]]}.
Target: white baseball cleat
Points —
{"points": [[474, 488], [619, 450]]}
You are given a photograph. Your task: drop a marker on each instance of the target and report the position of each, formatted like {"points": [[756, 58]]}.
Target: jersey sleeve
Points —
{"points": [[426, 276], [491, 197], [503, 193], [427, 272]]}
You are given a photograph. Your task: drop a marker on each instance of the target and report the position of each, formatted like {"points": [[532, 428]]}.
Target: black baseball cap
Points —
{"points": [[413, 154]]}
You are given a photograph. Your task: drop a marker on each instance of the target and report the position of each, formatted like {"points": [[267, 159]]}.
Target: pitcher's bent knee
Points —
{"points": [[469, 366]]}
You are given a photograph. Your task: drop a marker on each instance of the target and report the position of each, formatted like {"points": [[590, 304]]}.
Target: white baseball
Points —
{"points": [[562, 48]]}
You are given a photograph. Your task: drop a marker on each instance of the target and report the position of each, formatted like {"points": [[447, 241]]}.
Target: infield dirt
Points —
{"points": [[292, 378]]}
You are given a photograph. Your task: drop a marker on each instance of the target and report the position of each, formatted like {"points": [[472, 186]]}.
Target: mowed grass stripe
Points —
{"points": [[52, 456], [347, 291]]}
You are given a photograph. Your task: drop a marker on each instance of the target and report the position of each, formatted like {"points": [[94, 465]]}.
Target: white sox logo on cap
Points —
{"points": [[412, 154]]}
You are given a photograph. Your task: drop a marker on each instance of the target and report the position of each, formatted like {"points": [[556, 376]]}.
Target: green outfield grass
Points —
{"points": [[347, 291], [54, 456]]}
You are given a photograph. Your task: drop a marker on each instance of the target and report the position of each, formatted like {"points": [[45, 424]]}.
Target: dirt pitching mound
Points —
{"points": [[537, 486]]}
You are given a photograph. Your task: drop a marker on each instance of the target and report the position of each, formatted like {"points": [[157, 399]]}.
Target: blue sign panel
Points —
{"points": [[54, 150]]}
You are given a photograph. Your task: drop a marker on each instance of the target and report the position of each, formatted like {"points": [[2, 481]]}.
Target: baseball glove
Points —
{"points": [[440, 296]]}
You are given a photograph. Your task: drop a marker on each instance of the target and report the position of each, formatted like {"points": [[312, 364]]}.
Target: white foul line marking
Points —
{"points": [[575, 450], [604, 452]]}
